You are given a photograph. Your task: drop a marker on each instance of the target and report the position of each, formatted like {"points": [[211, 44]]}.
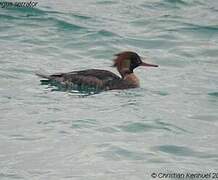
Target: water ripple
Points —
{"points": [[119, 153], [84, 123], [184, 151], [213, 94], [11, 176], [137, 127]]}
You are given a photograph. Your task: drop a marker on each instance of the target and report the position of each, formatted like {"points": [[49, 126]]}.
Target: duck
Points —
{"points": [[103, 80]]}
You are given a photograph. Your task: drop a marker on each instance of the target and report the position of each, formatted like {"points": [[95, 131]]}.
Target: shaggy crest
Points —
{"points": [[122, 62], [121, 57]]}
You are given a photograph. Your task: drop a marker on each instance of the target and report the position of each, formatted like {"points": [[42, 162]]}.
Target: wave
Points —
{"points": [[65, 21]]}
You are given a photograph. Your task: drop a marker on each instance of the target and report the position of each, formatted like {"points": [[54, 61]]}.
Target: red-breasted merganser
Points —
{"points": [[125, 62]]}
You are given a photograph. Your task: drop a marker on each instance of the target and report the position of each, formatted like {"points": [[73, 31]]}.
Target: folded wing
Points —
{"points": [[93, 78]]}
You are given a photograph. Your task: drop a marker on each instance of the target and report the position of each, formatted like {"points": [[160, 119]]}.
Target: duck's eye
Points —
{"points": [[139, 61]]}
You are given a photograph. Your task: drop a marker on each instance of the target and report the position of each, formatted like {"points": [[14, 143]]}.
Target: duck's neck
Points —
{"points": [[132, 79], [129, 76]]}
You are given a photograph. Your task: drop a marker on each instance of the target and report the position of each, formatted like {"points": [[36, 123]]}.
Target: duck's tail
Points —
{"points": [[43, 74]]}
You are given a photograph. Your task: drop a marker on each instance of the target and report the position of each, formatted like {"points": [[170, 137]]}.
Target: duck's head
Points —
{"points": [[127, 61]]}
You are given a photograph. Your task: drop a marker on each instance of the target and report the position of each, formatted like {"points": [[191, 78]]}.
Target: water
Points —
{"points": [[168, 125]]}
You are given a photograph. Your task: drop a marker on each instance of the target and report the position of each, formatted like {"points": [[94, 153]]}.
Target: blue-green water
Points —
{"points": [[168, 125]]}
